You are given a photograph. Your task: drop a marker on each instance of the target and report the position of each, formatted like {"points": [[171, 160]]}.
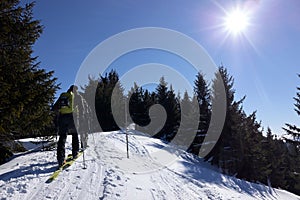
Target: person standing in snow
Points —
{"points": [[67, 107]]}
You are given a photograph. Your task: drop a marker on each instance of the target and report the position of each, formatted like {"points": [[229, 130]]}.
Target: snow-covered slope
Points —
{"points": [[111, 175]]}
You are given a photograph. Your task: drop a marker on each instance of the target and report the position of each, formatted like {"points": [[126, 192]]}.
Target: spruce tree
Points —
{"points": [[276, 153], [89, 94], [137, 106], [221, 154], [293, 141], [239, 144], [26, 90], [104, 101], [255, 165], [186, 106], [189, 110], [173, 111], [294, 130], [117, 102], [202, 94], [166, 98], [161, 98], [148, 100]]}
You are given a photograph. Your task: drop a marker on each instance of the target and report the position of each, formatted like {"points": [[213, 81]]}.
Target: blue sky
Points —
{"points": [[264, 59]]}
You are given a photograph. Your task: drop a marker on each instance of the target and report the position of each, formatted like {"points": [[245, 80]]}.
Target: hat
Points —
{"points": [[72, 88]]}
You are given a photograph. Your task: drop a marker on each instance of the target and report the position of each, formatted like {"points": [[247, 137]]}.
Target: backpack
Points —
{"points": [[65, 103]]}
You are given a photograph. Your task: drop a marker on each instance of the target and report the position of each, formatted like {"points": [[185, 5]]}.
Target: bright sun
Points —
{"points": [[236, 22]]}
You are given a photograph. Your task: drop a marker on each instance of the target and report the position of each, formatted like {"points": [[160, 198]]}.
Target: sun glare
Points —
{"points": [[236, 22]]}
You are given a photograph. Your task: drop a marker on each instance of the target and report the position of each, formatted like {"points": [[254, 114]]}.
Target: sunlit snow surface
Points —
{"points": [[111, 175]]}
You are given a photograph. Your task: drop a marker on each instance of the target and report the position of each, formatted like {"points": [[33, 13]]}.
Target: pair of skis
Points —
{"points": [[69, 161]]}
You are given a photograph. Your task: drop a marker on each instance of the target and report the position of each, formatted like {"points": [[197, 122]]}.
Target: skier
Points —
{"points": [[68, 105]]}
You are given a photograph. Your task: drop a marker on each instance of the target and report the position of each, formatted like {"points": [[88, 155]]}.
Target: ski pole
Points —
{"points": [[127, 145], [92, 133], [84, 165]]}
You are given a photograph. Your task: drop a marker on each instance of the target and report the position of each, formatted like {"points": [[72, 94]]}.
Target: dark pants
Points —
{"points": [[65, 125]]}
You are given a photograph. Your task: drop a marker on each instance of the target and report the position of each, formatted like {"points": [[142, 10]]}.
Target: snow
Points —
{"points": [[154, 170], [33, 144]]}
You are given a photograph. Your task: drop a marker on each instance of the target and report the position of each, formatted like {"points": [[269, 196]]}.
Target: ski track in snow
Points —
{"points": [[107, 176]]}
